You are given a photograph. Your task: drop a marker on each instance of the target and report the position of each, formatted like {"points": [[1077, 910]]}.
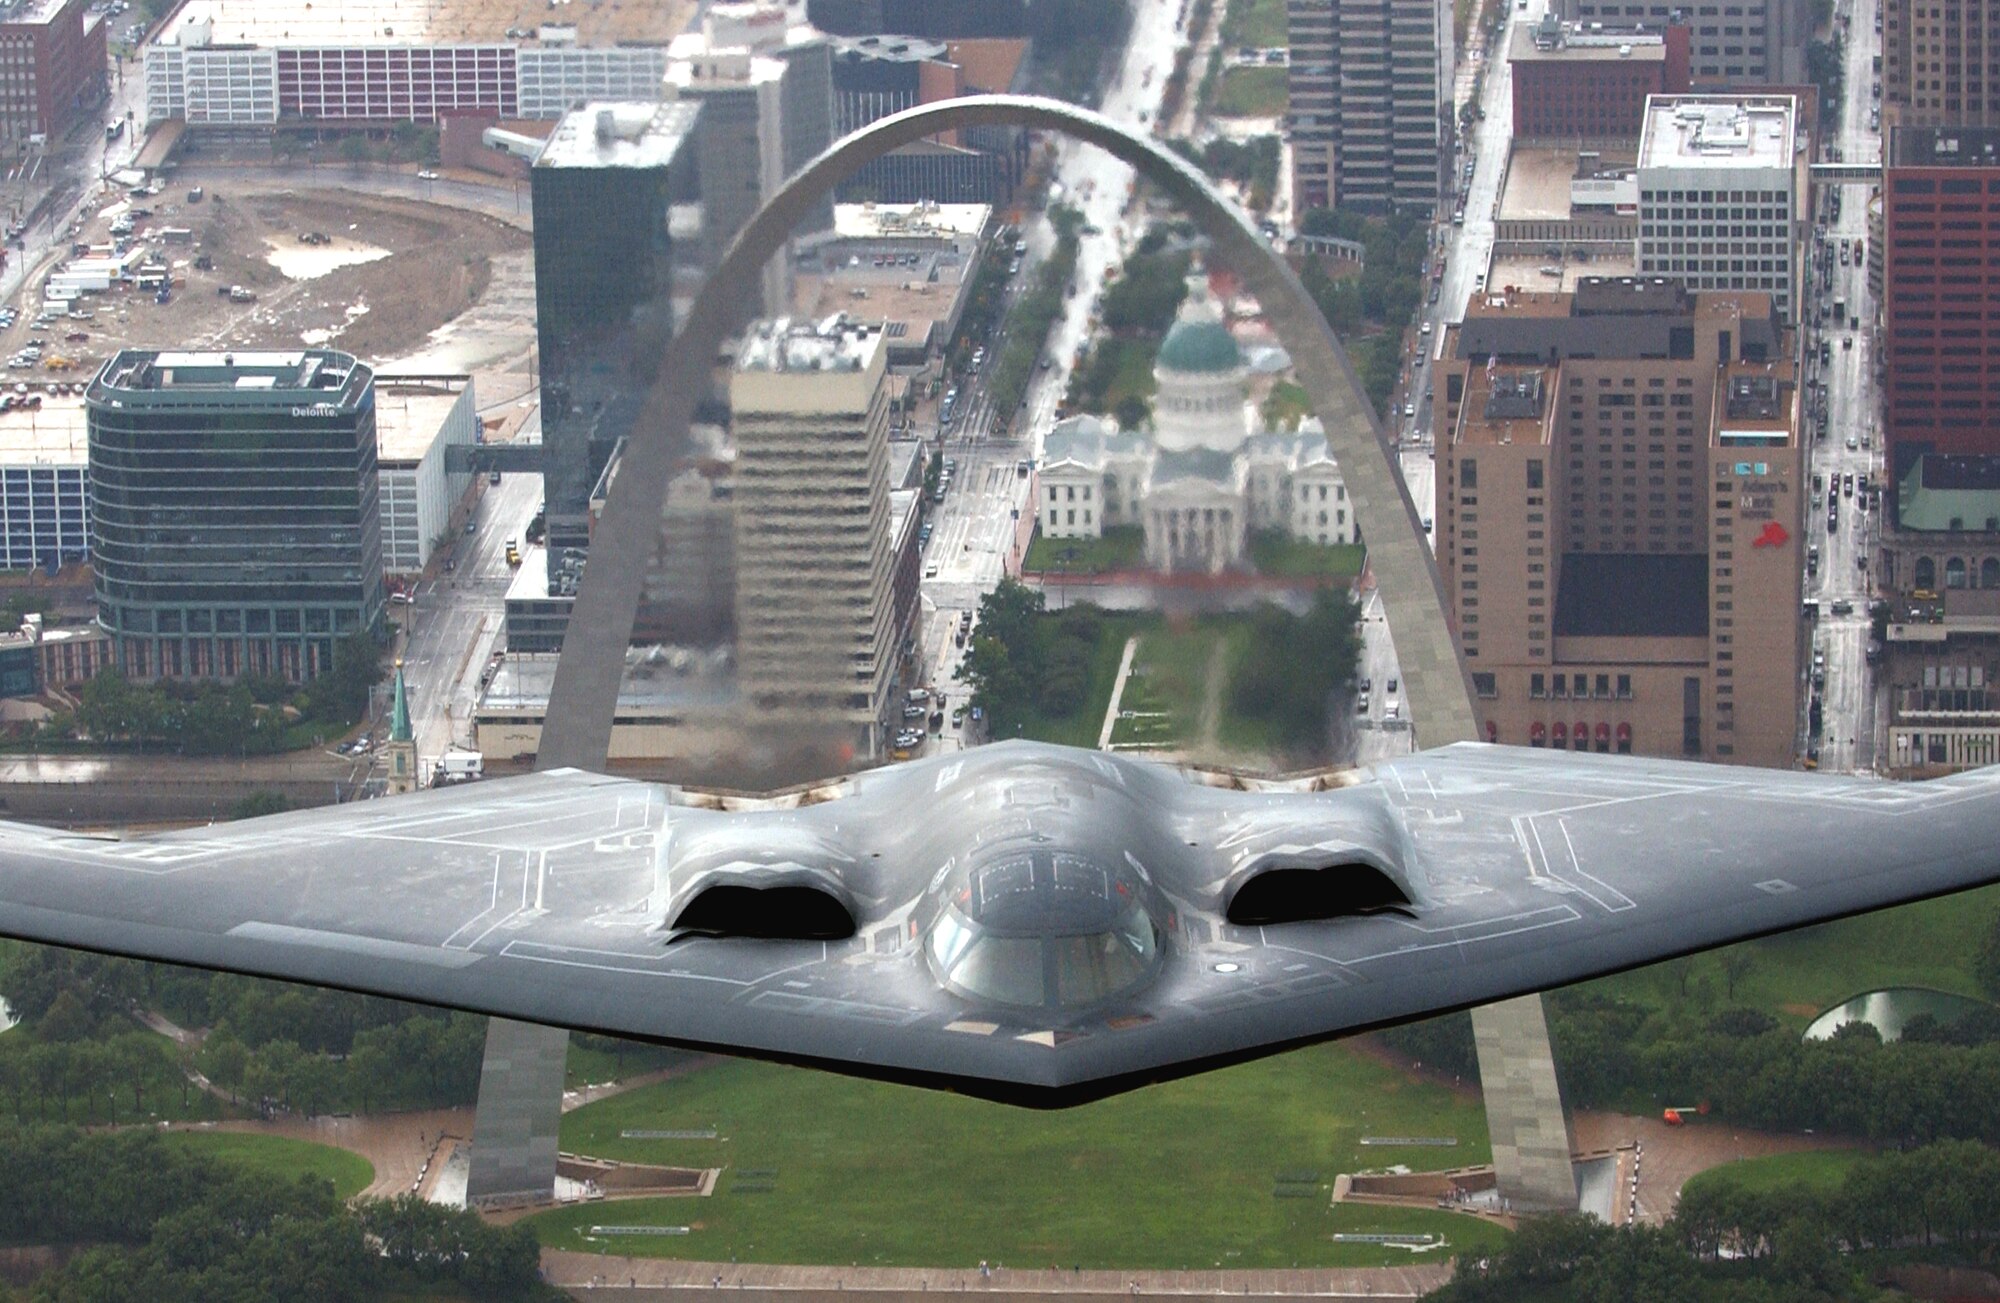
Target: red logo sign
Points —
{"points": [[1774, 535]]}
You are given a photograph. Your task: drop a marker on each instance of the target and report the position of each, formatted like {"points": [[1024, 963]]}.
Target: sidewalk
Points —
{"points": [[586, 1271]]}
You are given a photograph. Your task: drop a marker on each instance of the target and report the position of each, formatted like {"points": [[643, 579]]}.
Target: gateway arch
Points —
{"points": [[514, 1148]]}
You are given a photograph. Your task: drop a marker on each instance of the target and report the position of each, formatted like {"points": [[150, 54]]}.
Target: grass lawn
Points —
{"points": [[1256, 23], [1275, 554], [1081, 728], [1175, 1176], [589, 1064], [1250, 93], [1820, 1170], [1798, 975], [1171, 671], [1123, 547], [280, 1156]]}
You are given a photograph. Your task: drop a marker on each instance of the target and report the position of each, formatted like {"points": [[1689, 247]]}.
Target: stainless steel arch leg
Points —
{"points": [[520, 1108]]}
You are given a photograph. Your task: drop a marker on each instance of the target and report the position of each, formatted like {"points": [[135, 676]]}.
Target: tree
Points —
{"points": [[354, 148], [260, 803], [1986, 964], [1737, 961], [1133, 412], [1146, 295], [1293, 665], [68, 1019]]}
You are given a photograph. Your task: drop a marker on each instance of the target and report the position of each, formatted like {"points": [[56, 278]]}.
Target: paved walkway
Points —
{"points": [[587, 1273], [398, 1145], [1209, 739], [1117, 692]]}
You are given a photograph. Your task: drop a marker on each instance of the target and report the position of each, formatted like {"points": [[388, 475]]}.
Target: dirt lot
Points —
{"points": [[387, 274]]}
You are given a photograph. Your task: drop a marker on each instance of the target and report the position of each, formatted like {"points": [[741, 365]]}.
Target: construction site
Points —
{"points": [[372, 275]]}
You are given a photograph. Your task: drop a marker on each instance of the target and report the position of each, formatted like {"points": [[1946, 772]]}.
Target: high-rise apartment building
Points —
{"points": [[1620, 520], [815, 612], [1719, 194], [1732, 42], [1370, 98], [603, 187], [234, 522], [1940, 279], [1941, 62]]}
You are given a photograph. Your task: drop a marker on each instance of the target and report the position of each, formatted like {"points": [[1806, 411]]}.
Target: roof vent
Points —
{"points": [[607, 126]]}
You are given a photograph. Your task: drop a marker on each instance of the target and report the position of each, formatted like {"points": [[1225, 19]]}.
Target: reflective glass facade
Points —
{"points": [[602, 193], [234, 515]]}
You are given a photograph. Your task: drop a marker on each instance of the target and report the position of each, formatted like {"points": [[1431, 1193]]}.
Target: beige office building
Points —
{"points": [[1620, 520], [1720, 178], [1940, 62], [816, 637]]}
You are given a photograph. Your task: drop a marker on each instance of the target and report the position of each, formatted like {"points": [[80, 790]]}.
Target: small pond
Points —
{"points": [[1888, 1010]]}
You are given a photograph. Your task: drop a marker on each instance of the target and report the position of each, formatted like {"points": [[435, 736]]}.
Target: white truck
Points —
{"points": [[456, 766]]}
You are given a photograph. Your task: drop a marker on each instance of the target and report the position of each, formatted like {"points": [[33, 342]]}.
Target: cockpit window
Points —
{"points": [[1089, 968], [1007, 970], [1070, 971]]}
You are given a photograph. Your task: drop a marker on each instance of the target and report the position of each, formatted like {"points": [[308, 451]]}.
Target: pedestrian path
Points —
{"points": [[1117, 691], [583, 1272]]}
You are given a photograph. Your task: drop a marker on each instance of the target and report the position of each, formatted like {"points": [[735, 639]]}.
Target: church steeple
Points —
{"points": [[399, 714], [401, 749]]}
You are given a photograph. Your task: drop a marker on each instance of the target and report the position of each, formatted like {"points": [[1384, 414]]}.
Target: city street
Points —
{"points": [[457, 619], [1466, 250], [975, 527], [1853, 444]]}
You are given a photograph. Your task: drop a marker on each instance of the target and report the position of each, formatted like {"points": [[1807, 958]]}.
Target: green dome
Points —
{"points": [[1205, 346]]}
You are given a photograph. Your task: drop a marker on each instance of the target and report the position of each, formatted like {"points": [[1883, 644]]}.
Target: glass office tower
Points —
{"points": [[603, 188], [234, 521]]}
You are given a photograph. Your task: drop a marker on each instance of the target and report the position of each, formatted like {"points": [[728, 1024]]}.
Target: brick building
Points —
{"points": [[1742, 43], [1619, 513], [53, 54], [1574, 83], [1940, 279]]}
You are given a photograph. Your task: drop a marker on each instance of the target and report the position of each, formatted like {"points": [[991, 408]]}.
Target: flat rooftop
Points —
{"points": [[1754, 405], [1575, 42], [39, 11], [656, 679], [1632, 595], [314, 376], [1504, 406], [889, 49], [1718, 131], [910, 221], [603, 133], [835, 343], [55, 434], [1531, 271], [1944, 147], [296, 23], [911, 310], [407, 421], [1542, 182]]}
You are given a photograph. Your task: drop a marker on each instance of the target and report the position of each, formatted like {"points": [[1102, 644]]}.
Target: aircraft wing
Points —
{"points": [[1023, 922]]}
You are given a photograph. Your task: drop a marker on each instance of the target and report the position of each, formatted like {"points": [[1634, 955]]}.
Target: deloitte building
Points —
{"points": [[235, 529]]}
